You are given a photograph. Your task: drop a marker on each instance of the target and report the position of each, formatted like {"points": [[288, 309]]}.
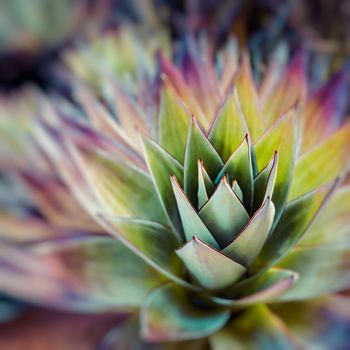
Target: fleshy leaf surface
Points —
{"points": [[322, 269], [224, 214], [261, 288], [153, 242], [198, 148], [192, 223], [209, 267], [122, 189], [296, 218], [264, 183], [174, 123], [161, 165], [239, 167], [229, 127], [281, 137], [237, 190], [205, 185], [248, 99], [169, 315], [248, 244], [331, 155], [334, 219]]}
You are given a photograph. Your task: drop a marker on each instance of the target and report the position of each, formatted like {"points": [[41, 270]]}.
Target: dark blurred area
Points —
{"points": [[35, 32]]}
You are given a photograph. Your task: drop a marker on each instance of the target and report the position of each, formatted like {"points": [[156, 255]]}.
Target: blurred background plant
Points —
{"points": [[33, 32]]}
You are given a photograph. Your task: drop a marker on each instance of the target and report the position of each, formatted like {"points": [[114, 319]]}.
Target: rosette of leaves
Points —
{"points": [[221, 224]]}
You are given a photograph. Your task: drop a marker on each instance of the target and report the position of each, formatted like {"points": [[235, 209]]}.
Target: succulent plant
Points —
{"points": [[227, 214]]}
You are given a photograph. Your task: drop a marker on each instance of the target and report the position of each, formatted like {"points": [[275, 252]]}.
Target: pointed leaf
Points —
{"points": [[248, 99], [295, 220], [322, 268], [333, 225], [198, 148], [209, 267], [281, 138], [174, 123], [322, 163], [239, 167], [290, 89], [104, 122], [154, 243], [96, 273], [325, 110], [55, 202], [264, 183], [237, 190], [228, 128], [205, 185], [192, 223], [122, 189], [182, 89], [130, 115], [248, 244], [169, 315], [224, 214], [161, 165], [261, 288]]}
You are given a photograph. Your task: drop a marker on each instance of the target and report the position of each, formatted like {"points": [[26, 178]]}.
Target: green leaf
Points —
{"points": [[261, 288], [224, 214], [237, 190], [296, 218], [153, 242], [174, 123], [198, 148], [122, 189], [192, 223], [264, 183], [248, 244], [169, 315], [228, 128], [322, 268], [249, 99], [323, 163], [209, 267], [161, 165], [290, 88], [257, 328], [239, 167], [334, 223], [281, 138], [205, 185], [94, 272]]}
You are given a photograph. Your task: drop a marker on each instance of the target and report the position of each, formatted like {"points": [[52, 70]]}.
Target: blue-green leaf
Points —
{"points": [[224, 214], [209, 267]]}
